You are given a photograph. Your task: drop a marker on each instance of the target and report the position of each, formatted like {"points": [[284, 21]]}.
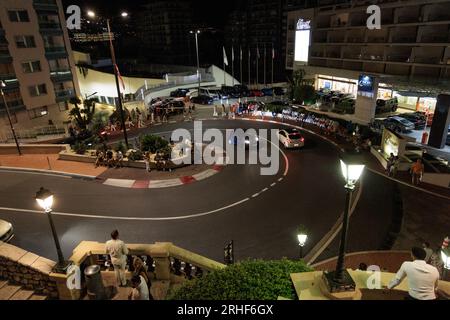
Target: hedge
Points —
{"points": [[247, 280]]}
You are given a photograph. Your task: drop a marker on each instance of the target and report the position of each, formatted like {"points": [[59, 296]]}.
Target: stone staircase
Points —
{"points": [[14, 292]]}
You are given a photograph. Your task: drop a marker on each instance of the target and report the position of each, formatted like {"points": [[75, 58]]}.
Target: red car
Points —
{"points": [[256, 93]]}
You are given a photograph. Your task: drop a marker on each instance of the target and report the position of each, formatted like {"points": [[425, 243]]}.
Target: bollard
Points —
{"points": [[94, 283], [49, 165]]}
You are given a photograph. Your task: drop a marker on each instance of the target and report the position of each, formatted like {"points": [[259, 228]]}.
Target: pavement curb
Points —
{"points": [[167, 183], [48, 172]]}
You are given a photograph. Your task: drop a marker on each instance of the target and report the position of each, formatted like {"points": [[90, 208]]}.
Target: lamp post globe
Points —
{"points": [[302, 237]]}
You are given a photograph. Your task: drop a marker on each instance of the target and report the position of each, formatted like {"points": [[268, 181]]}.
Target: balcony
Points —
{"points": [[439, 17], [55, 52], [45, 6], [376, 39], [427, 60], [398, 58], [10, 80], [50, 27], [61, 75], [403, 39], [13, 105], [376, 57], [5, 57], [64, 95], [355, 56], [355, 39], [436, 38], [410, 19]]}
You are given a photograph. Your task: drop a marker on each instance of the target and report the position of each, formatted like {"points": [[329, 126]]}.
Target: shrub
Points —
{"points": [[135, 155], [120, 147], [274, 108], [80, 148], [153, 143], [248, 280]]}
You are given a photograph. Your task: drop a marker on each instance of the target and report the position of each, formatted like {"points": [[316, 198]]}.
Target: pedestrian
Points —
{"points": [[141, 270], [118, 252], [100, 160], [140, 289], [422, 277], [417, 170], [390, 163], [109, 158], [395, 166], [428, 250], [147, 161], [119, 159]]}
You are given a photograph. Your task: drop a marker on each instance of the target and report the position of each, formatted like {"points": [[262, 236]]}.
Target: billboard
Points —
{"points": [[366, 85], [302, 40]]}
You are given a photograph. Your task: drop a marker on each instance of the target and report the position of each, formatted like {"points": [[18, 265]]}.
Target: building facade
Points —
{"points": [[36, 64], [409, 56], [163, 29]]}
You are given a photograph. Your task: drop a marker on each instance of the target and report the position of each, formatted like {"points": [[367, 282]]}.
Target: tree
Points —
{"points": [[83, 116], [301, 89]]}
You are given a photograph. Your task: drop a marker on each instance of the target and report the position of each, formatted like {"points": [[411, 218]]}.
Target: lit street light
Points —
{"points": [[197, 32], [45, 200], [302, 236], [340, 280], [116, 74], [2, 86]]}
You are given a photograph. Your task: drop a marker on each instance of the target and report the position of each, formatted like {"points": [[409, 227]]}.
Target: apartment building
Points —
{"points": [[409, 56], [36, 64]]}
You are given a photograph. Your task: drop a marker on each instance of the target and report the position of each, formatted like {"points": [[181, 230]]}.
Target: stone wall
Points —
{"points": [[27, 269]]}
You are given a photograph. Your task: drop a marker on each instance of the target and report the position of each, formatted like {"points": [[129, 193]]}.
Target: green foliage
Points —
{"points": [[99, 121], [82, 116], [301, 89], [120, 147], [274, 108], [135, 155], [80, 148], [247, 280], [153, 143]]}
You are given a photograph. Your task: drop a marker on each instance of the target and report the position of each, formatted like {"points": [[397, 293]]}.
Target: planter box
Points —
{"points": [[33, 148]]}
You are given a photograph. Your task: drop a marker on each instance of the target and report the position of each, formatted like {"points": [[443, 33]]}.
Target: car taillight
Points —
{"points": [[302, 139]]}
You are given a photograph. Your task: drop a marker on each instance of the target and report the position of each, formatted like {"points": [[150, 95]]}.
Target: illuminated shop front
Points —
{"points": [[343, 85], [407, 100]]}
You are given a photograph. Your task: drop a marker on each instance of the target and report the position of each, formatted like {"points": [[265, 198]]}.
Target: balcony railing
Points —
{"points": [[410, 19], [61, 75], [427, 60], [55, 52], [403, 39], [45, 5], [439, 17], [13, 105], [435, 38], [376, 39], [63, 95], [398, 58]]}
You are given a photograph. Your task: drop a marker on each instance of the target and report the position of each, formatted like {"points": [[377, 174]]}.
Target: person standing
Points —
{"points": [[390, 163], [422, 277], [395, 165], [140, 289], [417, 170], [118, 252], [428, 250]]}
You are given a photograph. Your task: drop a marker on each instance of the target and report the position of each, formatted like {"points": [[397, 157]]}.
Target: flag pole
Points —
{"points": [[224, 79], [265, 65], [273, 58], [257, 66], [240, 61], [232, 65], [249, 67]]}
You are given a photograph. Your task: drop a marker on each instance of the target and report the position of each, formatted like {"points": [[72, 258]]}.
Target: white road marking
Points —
{"points": [[264, 190], [122, 183], [164, 183], [205, 174], [196, 215], [273, 184], [255, 195]]}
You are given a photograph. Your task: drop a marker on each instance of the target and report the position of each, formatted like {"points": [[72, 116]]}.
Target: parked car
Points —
{"points": [[279, 91], [419, 119], [242, 90], [256, 93], [202, 99], [291, 138], [6, 231], [267, 91], [385, 106], [346, 106], [178, 93], [398, 124], [231, 92]]}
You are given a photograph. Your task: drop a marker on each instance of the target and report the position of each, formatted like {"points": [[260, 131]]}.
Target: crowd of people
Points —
{"points": [[109, 159]]}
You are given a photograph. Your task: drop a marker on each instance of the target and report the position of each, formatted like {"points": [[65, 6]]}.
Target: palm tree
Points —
{"points": [[83, 116]]}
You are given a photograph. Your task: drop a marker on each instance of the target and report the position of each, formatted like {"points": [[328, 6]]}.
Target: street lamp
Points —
{"points": [[2, 86], [302, 236], [340, 280], [92, 14], [197, 32], [45, 200]]}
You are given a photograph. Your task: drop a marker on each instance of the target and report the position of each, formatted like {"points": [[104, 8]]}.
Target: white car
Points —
{"points": [[6, 231], [291, 138]]}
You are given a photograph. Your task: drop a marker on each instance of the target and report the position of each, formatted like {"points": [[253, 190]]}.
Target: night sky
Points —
{"points": [[211, 13]]}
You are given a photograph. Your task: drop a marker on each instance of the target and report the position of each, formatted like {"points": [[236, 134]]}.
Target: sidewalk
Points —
{"points": [[50, 162]]}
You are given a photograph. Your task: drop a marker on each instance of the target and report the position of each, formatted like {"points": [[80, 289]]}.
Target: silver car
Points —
{"points": [[291, 138], [6, 231]]}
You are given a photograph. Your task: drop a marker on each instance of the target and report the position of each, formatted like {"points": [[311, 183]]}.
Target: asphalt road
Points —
{"points": [[262, 226]]}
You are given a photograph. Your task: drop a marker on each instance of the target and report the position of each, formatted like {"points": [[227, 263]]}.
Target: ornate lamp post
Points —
{"points": [[2, 86], [302, 236], [45, 200], [340, 280]]}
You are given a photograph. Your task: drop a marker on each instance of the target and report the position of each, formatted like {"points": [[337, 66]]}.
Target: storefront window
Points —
{"points": [[427, 104], [384, 93], [343, 85]]}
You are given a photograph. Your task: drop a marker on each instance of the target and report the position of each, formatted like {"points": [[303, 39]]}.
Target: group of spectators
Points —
{"points": [[109, 159]]}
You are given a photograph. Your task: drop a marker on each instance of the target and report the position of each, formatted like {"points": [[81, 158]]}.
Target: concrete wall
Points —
{"points": [[27, 269], [33, 148]]}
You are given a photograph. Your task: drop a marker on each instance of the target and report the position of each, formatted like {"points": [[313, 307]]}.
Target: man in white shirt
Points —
{"points": [[140, 289], [422, 277], [118, 252]]}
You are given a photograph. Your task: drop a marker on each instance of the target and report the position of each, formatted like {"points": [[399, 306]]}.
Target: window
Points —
{"points": [[63, 106], [31, 66], [39, 90], [18, 16], [25, 42], [38, 112]]}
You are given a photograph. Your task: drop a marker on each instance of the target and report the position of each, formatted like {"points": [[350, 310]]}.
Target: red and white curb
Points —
{"points": [[155, 184]]}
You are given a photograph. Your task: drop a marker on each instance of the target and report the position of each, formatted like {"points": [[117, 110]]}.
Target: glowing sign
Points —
{"points": [[302, 40]]}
